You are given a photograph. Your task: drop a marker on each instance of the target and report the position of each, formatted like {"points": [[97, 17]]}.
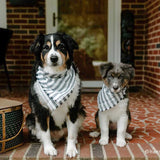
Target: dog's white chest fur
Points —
{"points": [[59, 115], [116, 112]]}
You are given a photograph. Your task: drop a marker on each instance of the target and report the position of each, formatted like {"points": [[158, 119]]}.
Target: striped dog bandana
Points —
{"points": [[55, 90], [107, 99]]}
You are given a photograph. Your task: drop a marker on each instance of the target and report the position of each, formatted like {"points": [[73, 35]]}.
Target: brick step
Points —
{"points": [[34, 151]]}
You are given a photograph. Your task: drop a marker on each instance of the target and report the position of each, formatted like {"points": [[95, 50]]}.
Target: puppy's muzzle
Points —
{"points": [[115, 88]]}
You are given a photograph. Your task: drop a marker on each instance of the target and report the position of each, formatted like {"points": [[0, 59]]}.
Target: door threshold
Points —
{"points": [[90, 90]]}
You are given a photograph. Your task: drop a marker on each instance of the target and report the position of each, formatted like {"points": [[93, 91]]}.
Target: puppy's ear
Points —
{"points": [[37, 45], [71, 44], [104, 68], [128, 69]]}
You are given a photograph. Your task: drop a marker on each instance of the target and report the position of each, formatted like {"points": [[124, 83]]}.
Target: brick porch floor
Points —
{"points": [[144, 127]]}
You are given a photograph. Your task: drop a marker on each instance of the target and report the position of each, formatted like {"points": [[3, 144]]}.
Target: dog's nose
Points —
{"points": [[115, 87], [54, 59]]}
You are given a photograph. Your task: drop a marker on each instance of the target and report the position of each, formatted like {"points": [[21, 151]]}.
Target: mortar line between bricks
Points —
{"points": [[64, 156], [40, 148], [155, 151], [116, 149], [79, 151], [91, 151], [131, 153], [24, 156], [10, 157], [156, 131], [104, 153], [142, 150]]}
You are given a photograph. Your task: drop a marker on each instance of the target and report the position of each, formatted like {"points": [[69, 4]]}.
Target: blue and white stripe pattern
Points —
{"points": [[55, 90], [107, 99]]}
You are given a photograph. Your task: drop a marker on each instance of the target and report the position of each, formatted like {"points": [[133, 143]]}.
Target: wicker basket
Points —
{"points": [[11, 124]]}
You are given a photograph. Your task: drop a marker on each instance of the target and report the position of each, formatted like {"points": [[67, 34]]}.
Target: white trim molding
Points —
{"points": [[92, 84], [3, 14], [114, 30], [51, 10]]}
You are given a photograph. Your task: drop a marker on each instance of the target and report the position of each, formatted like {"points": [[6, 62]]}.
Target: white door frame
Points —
{"points": [[51, 7], [114, 32], [3, 14]]}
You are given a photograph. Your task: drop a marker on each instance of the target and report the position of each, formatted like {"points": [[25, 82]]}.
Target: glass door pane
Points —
{"points": [[86, 22]]}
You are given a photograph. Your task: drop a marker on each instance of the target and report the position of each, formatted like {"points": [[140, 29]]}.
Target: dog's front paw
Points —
{"points": [[120, 142], [103, 141], [128, 136], [71, 151], [94, 134], [50, 150]]}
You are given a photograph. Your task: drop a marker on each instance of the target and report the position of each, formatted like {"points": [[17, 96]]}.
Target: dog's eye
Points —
{"points": [[120, 76], [61, 47], [112, 75], [46, 47]]}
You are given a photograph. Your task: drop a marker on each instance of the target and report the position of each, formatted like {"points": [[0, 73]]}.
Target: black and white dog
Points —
{"points": [[113, 103], [54, 95]]}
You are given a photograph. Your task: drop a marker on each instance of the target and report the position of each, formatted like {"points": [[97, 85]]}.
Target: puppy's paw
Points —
{"points": [[103, 141], [50, 150], [120, 142], [71, 151], [94, 134], [128, 136]]}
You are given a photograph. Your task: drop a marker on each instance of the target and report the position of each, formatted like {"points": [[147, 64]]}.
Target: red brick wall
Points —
{"points": [[26, 23], [152, 57]]}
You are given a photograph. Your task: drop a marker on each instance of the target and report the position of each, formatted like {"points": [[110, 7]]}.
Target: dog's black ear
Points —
{"points": [[37, 45], [71, 44], [104, 68], [128, 69]]}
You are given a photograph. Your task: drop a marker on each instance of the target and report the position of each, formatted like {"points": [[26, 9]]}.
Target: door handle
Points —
{"points": [[54, 19]]}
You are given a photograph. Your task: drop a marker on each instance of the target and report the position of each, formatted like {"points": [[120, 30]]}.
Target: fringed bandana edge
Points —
{"points": [[107, 99]]}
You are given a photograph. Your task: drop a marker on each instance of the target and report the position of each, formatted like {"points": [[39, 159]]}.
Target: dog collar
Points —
{"points": [[107, 99], [55, 90]]}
